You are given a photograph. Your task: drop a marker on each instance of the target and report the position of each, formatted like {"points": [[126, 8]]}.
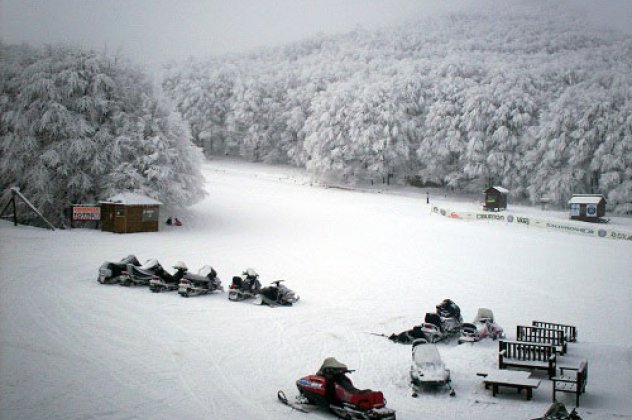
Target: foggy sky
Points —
{"points": [[152, 31]]}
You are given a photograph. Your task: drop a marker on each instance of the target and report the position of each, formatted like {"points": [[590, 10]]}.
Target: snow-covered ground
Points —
{"points": [[71, 348]]}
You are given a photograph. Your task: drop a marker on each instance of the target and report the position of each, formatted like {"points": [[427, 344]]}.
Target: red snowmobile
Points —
{"points": [[331, 388]]}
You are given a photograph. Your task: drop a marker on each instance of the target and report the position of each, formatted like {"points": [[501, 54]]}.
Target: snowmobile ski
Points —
{"points": [[296, 406]]}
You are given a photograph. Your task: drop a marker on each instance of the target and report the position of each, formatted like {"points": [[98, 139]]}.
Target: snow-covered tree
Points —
{"points": [[77, 126], [530, 95]]}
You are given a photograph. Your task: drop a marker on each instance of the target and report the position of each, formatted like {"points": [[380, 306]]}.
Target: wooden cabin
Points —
{"points": [[495, 199], [587, 207], [130, 212]]}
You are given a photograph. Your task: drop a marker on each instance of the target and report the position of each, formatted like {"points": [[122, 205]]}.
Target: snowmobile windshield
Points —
{"points": [[205, 271], [131, 259], [447, 308], [331, 364], [149, 264], [484, 314], [426, 354], [433, 319]]}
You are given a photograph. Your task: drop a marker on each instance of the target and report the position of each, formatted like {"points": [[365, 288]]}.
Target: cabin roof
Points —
{"points": [[499, 189], [586, 199], [133, 199]]}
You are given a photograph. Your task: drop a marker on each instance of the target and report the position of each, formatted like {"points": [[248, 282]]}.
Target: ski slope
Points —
{"points": [[362, 262]]}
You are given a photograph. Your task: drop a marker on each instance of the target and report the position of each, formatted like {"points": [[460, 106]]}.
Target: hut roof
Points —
{"points": [[132, 199], [499, 189], [586, 199]]}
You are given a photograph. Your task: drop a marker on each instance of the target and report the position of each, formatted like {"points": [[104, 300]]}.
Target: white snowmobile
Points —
{"points": [[483, 326], [205, 281], [245, 286], [141, 276], [111, 272], [428, 370], [277, 294]]}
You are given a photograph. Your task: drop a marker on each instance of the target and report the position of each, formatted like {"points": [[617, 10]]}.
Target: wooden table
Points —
{"points": [[510, 379]]}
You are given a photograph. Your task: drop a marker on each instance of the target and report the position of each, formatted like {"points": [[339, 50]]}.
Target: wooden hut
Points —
{"points": [[587, 207], [130, 212], [495, 199]]}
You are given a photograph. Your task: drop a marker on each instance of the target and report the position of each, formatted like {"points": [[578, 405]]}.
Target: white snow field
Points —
{"points": [[71, 348]]}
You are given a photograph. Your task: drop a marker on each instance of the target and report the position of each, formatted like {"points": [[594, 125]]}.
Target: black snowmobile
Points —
{"points": [[437, 326], [332, 389], [205, 281], [444, 323], [245, 286], [110, 272], [142, 276], [277, 294], [163, 283]]}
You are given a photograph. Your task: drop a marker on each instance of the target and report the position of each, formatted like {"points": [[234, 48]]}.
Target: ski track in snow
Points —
{"points": [[73, 349]]}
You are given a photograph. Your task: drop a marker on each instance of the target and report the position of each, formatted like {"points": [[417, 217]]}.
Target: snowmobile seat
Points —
{"points": [[363, 398], [135, 271], [346, 383], [237, 281], [271, 293]]}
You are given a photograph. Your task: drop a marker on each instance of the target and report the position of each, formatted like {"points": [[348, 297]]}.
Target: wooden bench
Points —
{"points": [[510, 379], [529, 356], [570, 332], [551, 336], [573, 383]]}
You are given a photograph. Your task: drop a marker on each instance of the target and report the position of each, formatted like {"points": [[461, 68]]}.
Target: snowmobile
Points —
{"points": [[331, 388], [408, 336], [110, 272], [205, 281], [245, 286], [558, 411], [428, 370], [445, 322], [450, 314], [483, 326], [277, 294], [159, 284], [141, 276]]}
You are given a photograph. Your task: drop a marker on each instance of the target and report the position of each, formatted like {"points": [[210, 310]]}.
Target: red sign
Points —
{"points": [[86, 213]]}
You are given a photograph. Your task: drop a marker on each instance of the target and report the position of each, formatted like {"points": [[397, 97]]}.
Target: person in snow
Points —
{"points": [[178, 222], [169, 221], [334, 372]]}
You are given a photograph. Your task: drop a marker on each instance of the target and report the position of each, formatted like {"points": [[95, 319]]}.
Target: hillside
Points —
{"points": [[532, 96], [71, 348]]}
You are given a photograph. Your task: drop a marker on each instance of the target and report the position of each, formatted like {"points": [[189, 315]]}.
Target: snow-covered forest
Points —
{"points": [[534, 97], [78, 127]]}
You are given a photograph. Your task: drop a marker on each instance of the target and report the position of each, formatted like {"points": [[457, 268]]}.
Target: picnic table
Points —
{"points": [[518, 380]]}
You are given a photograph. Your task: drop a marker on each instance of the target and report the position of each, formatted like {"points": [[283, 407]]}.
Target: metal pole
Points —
{"points": [[15, 213]]}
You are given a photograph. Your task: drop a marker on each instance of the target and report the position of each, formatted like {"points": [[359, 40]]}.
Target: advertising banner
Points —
{"points": [[86, 213], [150, 214], [559, 226], [591, 210]]}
